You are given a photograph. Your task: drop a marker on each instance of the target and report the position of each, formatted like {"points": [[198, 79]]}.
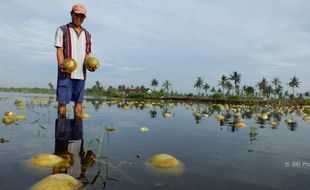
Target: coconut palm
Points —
{"points": [[206, 87], [51, 86], [276, 82], [307, 94], [262, 85], [236, 77], [222, 82], [249, 90], [154, 83], [278, 90], [97, 87], [242, 94], [286, 94], [268, 91], [228, 86], [294, 82], [213, 90], [198, 84], [166, 85]]}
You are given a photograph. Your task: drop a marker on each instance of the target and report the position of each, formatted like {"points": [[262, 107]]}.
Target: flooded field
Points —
{"points": [[208, 146]]}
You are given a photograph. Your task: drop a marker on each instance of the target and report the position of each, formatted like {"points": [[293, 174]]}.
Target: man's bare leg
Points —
{"points": [[77, 110], [62, 111]]}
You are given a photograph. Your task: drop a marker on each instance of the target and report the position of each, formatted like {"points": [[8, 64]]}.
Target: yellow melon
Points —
{"points": [[92, 63], [57, 182], [69, 65]]}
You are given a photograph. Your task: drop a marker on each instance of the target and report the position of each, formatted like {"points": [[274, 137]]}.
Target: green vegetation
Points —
{"points": [[228, 88]]}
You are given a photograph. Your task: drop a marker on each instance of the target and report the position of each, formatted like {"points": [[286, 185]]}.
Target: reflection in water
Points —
{"points": [[72, 141], [69, 145], [252, 137], [153, 113], [197, 115], [165, 112], [292, 126]]}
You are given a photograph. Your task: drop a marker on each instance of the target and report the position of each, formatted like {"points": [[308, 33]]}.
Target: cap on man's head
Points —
{"points": [[79, 9]]}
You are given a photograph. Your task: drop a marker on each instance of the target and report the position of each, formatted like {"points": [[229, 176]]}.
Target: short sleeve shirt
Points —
{"points": [[76, 47]]}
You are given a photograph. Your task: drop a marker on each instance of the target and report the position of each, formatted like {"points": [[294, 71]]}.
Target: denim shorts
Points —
{"points": [[70, 90]]}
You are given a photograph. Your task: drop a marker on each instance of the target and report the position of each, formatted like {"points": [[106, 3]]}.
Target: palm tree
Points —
{"points": [[268, 91], [236, 77], [167, 85], [249, 90], [242, 94], [213, 90], [278, 90], [294, 83], [228, 86], [262, 85], [276, 82], [198, 84], [307, 94], [286, 94], [206, 87], [51, 86], [154, 83], [97, 87], [222, 82]]}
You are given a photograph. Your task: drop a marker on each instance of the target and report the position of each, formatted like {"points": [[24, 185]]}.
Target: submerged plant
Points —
{"points": [[3, 140], [252, 137]]}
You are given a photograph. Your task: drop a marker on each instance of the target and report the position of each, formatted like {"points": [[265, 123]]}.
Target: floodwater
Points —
{"points": [[215, 155]]}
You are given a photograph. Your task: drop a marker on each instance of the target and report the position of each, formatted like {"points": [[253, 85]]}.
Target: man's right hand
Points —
{"points": [[62, 69]]}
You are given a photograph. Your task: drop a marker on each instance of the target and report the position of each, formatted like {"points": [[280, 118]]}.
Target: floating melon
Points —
{"points": [[219, 117], [57, 182], [8, 120], [45, 160], [21, 107], [288, 120], [165, 164], [306, 118], [20, 117], [9, 113], [240, 125], [197, 114], [163, 161], [144, 129], [264, 117], [273, 123], [167, 114], [84, 115]]}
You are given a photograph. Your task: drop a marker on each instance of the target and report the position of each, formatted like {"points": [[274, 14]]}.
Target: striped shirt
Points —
{"points": [[75, 46]]}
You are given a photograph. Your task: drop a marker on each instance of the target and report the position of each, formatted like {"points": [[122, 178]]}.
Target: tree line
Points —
{"points": [[228, 87]]}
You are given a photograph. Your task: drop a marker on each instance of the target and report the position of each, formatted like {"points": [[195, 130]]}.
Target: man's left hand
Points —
{"points": [[91, 69]]}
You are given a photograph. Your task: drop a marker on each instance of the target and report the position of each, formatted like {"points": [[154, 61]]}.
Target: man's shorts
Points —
{"points": [[70, 90]]}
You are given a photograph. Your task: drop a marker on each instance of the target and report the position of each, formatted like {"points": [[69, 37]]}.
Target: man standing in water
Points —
{"points": [[72, 41]]}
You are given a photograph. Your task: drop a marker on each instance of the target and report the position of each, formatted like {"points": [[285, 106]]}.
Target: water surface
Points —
{"points": [[215, 156]]}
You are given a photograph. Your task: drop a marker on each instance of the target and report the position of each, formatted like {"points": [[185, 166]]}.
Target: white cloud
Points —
{"points": [[172, 40]]}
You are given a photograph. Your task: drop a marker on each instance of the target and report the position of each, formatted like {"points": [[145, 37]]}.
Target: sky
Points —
{"points": [[175, 40]]}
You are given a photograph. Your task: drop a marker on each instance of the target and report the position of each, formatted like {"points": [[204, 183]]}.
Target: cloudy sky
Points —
{"points": [[175, 40]]}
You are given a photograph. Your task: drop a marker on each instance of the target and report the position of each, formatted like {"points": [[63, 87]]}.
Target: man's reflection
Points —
{"points": [[69, 145]]}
